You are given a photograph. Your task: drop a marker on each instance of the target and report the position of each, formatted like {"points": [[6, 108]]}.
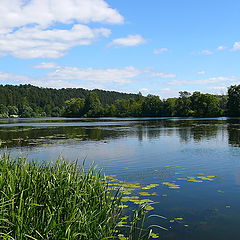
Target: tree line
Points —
{"points": [[31, 101]]}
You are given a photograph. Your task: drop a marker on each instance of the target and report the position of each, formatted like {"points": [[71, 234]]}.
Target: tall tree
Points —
{"points": [[152, 106], [183, 105], [93, 105], [234, 101], [74, 107]]}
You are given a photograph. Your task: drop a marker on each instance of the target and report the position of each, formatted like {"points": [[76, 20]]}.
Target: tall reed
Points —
{"points": [[55, 201]]}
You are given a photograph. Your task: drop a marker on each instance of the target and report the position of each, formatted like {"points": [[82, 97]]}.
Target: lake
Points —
{"points": [[195, 164]]}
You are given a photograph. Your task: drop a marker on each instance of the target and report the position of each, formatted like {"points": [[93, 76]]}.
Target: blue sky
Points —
{"points": [[157, 46]]}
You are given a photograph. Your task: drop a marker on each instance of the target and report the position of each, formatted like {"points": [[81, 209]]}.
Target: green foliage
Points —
{"points": [[234, 101], [48, 101], [93, 106], [74, 107], [30, 101], [205, 105], [152, 106], [12, 110], [3, 111], [183, 105]]}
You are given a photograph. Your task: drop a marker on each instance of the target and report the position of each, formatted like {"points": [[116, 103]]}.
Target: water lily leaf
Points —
{"points": [[121, 237], [148, 208], [144, 194], [153, 235], [123, 206], [178, 219]]}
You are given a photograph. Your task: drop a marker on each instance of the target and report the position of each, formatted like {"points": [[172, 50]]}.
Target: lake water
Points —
{"points": [[202, 156]]}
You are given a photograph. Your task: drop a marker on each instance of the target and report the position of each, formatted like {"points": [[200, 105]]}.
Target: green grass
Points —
{"points": [[55, 201]]}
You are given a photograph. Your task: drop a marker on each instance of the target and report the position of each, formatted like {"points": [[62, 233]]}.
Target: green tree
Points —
{"points": [[205, 105], [74, 107], [12, 110], [27, 112], [3, 111], [152, 106], [169, 109], [234, 101], [93, 106], [183, 105]]}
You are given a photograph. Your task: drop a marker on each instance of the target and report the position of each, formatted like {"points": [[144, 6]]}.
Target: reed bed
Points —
{"points": [[55, 201]]}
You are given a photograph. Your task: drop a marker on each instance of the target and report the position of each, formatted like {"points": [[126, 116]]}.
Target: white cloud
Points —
{"points": [[145, 90], [218, 88], [160, 50], [30, 28], [4, 76], [201, 72], [47, 65], [48, 12], [105, 76], [37, 43], [121, 79], [168, 92], [111, 75], [220, 48], [236, 46], [129, 41], [204, 81], [206, 52], [163, 75]]}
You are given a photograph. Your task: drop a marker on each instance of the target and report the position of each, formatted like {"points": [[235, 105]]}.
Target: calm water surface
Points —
{"points": [[150, 151]]}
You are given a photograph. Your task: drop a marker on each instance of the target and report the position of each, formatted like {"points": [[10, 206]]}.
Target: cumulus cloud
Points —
{"points": [[206, 52], [5, 76], [112, 75], [30, 29], [145, 90], [38, 43], [104, 78], [129, 41], [108, 75], [204, 81], [160, 50], [46, 12], [220, 48], [218, 88], [236, 46], [163, 75], [47, 65]]}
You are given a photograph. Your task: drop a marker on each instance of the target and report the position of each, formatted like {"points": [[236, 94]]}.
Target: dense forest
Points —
{"points": [[31, 101]]}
